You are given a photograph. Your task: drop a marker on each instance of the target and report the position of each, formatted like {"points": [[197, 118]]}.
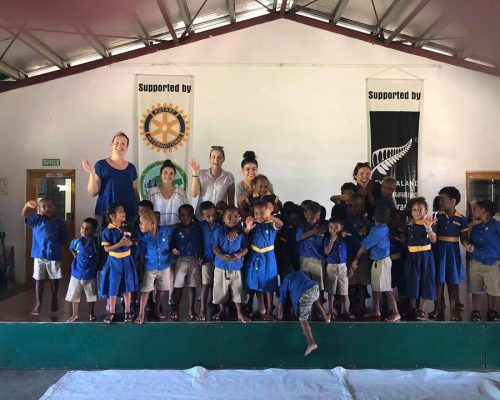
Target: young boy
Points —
{"points": [[337, 282], [387, 189], [397, 239], [484, 272], [378, 245], [287, 252], [187, 246], [310, 236], [297, 288], [451, 227], [208, 225], [86, 253], [340, 210], [49, 234], [229, 246], [156, 257]]}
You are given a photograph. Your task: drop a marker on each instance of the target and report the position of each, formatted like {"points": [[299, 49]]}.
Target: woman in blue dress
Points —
{"points": [[262, 271]]}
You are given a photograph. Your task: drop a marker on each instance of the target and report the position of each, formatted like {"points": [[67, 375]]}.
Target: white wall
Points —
{"points": [[306, 120]]}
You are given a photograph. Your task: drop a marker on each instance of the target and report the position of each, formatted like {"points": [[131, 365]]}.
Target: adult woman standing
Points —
{"points": [[114, 180], [366, 187], [212, 184], [167, 198]]}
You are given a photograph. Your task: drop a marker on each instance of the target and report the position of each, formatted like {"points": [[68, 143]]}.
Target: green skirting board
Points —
{"points": [[252, 346]]}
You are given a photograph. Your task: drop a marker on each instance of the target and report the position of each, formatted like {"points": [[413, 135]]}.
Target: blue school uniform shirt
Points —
{"points": [[230, 247], [377, 242], [312, 247], [416, 235], [449, 228], [287, 236], [187, 241], [116, 187], [86, 261], [338, 254], [112, 235], [486, 241], [353, 225], [207, 237], [293, 286], [156, 249], [48, 236], [386, 201]]}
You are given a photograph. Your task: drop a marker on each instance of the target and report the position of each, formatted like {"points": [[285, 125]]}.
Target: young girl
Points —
{"points": [[119, 274], [419, 264], [262, 271], [262, 193]]}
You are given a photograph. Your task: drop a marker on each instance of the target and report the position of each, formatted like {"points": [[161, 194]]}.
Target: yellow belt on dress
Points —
{"points": [[452, 239], [263, 250], [122, 254], [416, 249], [396, 256]]}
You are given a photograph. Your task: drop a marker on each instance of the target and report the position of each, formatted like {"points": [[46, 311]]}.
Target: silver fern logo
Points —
{"points": [[384, 159]]}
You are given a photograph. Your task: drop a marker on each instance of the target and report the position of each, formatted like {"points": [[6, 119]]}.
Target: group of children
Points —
{"points": [[271, 246]]}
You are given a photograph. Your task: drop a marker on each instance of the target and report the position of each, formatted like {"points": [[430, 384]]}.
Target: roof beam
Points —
{"points": [[386, 18], [406, 21], [232, 11], [275, 5], [168, 21], [12, 72], [438, 25], [91, 38], [338, 11], [191, 23], [283, 8], [185, 15], [140, 28]]}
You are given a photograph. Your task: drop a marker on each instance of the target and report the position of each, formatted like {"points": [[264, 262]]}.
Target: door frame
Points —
{"points": [[30, 194], [478, 175]]}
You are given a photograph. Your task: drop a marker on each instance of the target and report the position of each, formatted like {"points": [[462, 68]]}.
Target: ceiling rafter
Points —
{"points": [[387, 16], [12, 72], [232, 10], [410, 17], [185, 15], [283, 8], [168, 19], [191, 22], [140, 28], [91, 38], [338, 11], [435, 28]]}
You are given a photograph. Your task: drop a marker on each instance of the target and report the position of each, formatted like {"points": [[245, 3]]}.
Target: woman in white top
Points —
{"points": [[213, 184], [250, 169], [167, 198]]}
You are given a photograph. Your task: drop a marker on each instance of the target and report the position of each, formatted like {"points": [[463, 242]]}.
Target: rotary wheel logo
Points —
{"points": [[164, 127]]}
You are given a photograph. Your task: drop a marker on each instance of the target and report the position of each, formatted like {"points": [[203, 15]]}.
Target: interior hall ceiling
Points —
{"points": [[41, 40]]}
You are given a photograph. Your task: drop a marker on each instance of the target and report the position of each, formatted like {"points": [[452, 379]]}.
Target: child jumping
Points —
{"points": [[86, 253], [49, 234]]}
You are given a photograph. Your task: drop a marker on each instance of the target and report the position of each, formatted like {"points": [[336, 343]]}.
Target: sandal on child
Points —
{"points": [[475, 316], [460, 306], [456, 318], [174, 317], [92, 318], [128, 317], [421, 315], [493, 316], [109, 318], [347, 316]]}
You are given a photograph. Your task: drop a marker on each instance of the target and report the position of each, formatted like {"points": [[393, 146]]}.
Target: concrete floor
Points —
{"points": [[27, 384]]}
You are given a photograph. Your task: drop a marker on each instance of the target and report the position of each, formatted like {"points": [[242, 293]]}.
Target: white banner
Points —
{"points": [[165, 115]]}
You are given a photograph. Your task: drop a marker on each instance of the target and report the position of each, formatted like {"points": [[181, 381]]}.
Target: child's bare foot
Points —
{"points": [[36, 310], [243, 318], [140, 319], [310, 349], [73, 318], [201, 317], [220, 316], [372, 314], [92, 318], [393, 318], [159, 315], [174, 316], [328, 318]]}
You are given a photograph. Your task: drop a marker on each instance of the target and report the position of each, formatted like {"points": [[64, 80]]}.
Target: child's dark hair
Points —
{"points": [[168, 164], [187, 207], [231, 209], [348, 186], [91, 221], [287, 205], [206, 205], [335, 220], [452, 192], [47, 199], [122, 135], [295, 209], [382, 214], [249, 157], [358, 196], [359, 166], [259, 204], [113, 207], [416, 200], [147, 204], [322, 213], [313, 207], [487, 205], [435, 204], [305, 203], [259, 178]]}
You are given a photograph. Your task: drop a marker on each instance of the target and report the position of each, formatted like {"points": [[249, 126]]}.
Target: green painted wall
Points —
{"points": [[256, 345]]}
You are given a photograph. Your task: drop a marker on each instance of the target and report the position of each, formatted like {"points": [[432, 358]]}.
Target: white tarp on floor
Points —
{"points": [[338, 383]]}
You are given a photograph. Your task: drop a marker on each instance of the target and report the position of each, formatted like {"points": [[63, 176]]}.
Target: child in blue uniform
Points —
{"points": [[187, 246], [49, 234], [451, 228], [156, 256], [340, 210], [85, 250], [303, 292], [420, 275], [229, 246], [119, 274], [262, 271], [378, 245], [262, 193], [286, 241], [208, 226], [484, 271], [398, 252]]}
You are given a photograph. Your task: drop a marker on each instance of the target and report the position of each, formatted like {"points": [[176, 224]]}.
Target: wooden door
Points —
{"points": [[59, 185]]}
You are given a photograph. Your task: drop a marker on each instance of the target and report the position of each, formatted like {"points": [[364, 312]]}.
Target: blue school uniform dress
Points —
{"points": [[420, 278], [87, 253], [119, 274], [156, 249], [312, 247], [398, 253], [449, 266], [262, 270], [293, 286], [486, 241], [48, 236], [208, 242], [187, 241], [287, 236], [230, 247]]}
